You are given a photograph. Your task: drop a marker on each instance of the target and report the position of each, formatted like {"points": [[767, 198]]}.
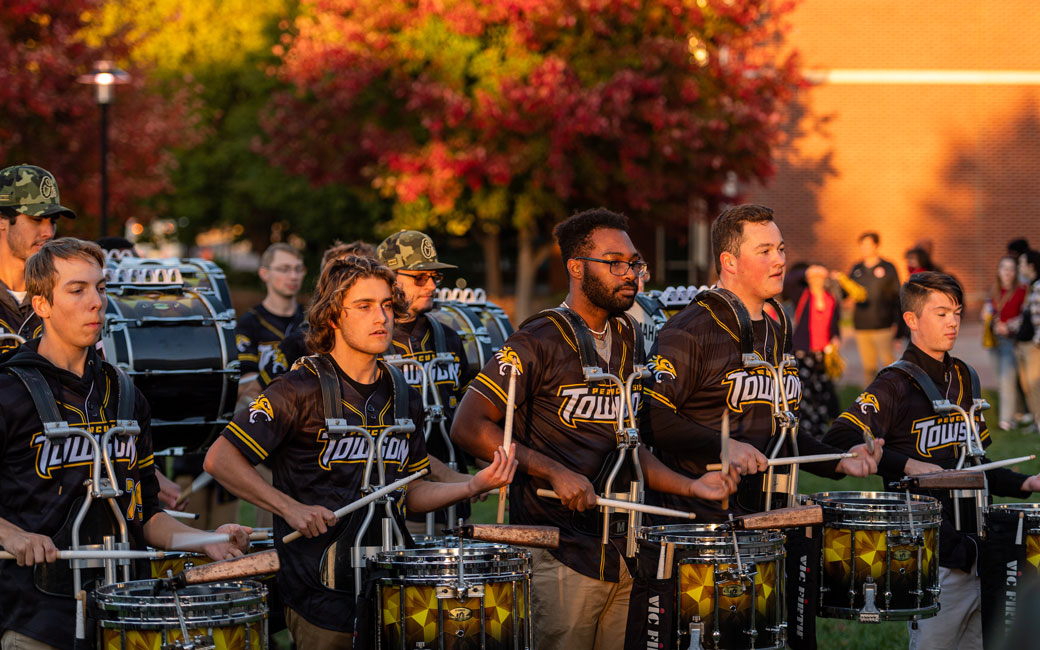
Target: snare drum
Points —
{"points": [[734, 610], [232, 614], [175, 337], [422, 600], [880, 558], [1009, 565]]}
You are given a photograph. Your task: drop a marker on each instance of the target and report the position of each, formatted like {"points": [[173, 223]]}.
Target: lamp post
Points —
{"points": [[104, 75]]}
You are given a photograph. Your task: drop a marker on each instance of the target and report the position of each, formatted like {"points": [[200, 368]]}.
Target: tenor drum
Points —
{"points": [[1009, 567], [879, 559], [232, 614], [482, 325], [649, 313], [175, 336], [734, 606], [426, 599]]}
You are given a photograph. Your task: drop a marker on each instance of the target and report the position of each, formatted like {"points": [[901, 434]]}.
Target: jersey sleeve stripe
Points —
{"points": [[852, 418], [482, 378], [245, 437], [147, 462], [418, 465], [660, 398], [248, 357]]}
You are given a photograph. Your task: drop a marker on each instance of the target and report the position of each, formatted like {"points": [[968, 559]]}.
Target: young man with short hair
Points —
{"points": [[351, 320], [566, 432], [29, 211], [873, 284], [896, 409], [43, 483]]}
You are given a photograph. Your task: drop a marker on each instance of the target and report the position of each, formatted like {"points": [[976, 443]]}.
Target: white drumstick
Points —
{"points": [[628, 505], [1000, 463], [796, 460], [177, 514], [99, 555]]}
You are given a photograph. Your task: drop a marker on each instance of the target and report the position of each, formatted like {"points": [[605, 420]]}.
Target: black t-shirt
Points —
{"points": [[881, 308], [561, 416], [285, 426], [894, 408], [257, 335], [40, 483]]}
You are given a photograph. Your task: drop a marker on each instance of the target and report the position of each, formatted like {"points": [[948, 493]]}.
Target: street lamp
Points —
{"points": [[104, 75]]}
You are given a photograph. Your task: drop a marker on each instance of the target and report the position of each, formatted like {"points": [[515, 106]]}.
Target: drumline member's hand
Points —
{"points": [[169, 492], [746, 458], [29, 548], [575, 491], [864, 464], [311, 521], [500, 472], [715, 485], [229, 549], [914, 467], [1031, 484]]}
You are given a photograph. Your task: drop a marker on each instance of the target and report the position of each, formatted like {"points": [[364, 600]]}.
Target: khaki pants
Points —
{"points": [[958, 626], [1028, 356], [570, 611], [874, 346], [308, 636], [15, 641]]}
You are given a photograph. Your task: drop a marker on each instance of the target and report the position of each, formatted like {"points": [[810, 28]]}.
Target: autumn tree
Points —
{"points": [[48, 119], [507, 115]]}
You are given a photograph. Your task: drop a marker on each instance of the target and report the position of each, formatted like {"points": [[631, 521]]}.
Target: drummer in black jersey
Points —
{"points": [[698, 373], [43, 483], [918, 441], [565, 430], [350, 324], [411, 255]]}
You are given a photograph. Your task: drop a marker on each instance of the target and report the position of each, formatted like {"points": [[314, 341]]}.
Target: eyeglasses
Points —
{"points": [[286, 270], [422, 278], [620, 267]]}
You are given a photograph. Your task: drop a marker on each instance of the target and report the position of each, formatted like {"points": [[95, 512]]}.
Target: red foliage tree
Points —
{"points": [[50, 120], [513, 113]]}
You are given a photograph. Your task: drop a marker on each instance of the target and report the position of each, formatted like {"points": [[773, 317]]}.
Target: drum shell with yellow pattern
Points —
{"points": [[131, 617], [705, 564], [415, 608], [876, 537]]}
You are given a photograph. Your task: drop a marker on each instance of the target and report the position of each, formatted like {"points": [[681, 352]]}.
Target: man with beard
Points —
{"points": [[420, 337], [565, 431], [29, 211], [698, 371]]}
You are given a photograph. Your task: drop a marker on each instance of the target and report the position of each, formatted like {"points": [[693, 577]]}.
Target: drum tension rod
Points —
{"points": [[200, 642]]}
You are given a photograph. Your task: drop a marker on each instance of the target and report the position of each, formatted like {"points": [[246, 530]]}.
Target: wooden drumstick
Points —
{"points": [[725, 452], [794, 460], [628, 505], [201, 481], [507, 438]]}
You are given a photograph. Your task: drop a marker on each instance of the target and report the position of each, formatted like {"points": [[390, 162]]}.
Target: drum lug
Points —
{"points": [[196, 643], [869, 613], [474, 591]]}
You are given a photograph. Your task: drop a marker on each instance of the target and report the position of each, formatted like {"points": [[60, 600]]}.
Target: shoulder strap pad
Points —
{"points": [[400, 389], [571, 322], [437, 329], [639, 354], [920, 377], [785, 324], [740, 312], [42, 397], [976, 385], [331, 396]]}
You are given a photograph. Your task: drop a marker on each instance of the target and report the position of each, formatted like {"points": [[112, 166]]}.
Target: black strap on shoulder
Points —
{"points": [[331, 396], [919, 376], [570, 321], [127, 393], [639, 354], [745, 332], [976, 385], [787, 337], [440, 344], [42, 397], [400, 389]]}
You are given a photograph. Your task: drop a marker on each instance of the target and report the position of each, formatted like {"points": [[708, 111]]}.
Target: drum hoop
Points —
{"points": [[451, 580], [244, 602], [1008, 514]]}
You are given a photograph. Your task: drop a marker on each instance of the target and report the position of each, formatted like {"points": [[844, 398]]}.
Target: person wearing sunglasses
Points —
{"points": [[419, 336]]}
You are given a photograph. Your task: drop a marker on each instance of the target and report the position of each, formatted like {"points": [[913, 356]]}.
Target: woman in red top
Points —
{"points": [[1005, 306], [815, 332]]}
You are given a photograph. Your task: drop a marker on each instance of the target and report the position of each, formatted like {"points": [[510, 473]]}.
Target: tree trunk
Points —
{"points": [[492, 263], [530, 258]]}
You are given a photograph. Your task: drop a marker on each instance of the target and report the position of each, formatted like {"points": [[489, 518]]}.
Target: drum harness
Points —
{"points": [[627, 437], [433, 407]]}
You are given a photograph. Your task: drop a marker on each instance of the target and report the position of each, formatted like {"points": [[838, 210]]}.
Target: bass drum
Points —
{"points": [[483, 325], [172, 332]]}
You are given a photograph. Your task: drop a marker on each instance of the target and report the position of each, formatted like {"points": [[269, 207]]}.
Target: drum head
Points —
{"points": [[432, 565], [877, 509]]}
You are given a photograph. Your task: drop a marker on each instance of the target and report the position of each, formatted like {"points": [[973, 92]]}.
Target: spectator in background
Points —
{"points": [[873, 286], [816, 335], [919, 260], [1027, 346], [1001, 312]]}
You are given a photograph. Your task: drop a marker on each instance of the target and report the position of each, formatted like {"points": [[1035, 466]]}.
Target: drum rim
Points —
{"points": [[765, 536], [843, 500], [116, 610]]}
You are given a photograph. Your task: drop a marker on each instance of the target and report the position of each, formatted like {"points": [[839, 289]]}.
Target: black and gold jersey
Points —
{"points": [[257, 335], [896, 409], [285, 426], [42, 482], [697, 374], [17, 318], [560, 415]]}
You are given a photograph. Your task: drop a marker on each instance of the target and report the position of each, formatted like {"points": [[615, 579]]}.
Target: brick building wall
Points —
{"points": [[923, 123]]}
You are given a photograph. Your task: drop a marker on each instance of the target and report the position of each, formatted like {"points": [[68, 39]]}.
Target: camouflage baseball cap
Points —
{"points": [[410, 250], [32, 191]]}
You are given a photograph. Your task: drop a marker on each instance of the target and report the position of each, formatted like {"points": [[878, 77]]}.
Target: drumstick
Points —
{"points": [[201, 481], [725, 453], [1000, 463], [792, 460], [364, 501], [507, 438], [177, 514], [628, 505], [99, 555]]}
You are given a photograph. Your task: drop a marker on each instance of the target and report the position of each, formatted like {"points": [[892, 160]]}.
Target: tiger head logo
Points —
{"points": [[661, 367], [868, 401], [261, 406], [507, 357]]}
